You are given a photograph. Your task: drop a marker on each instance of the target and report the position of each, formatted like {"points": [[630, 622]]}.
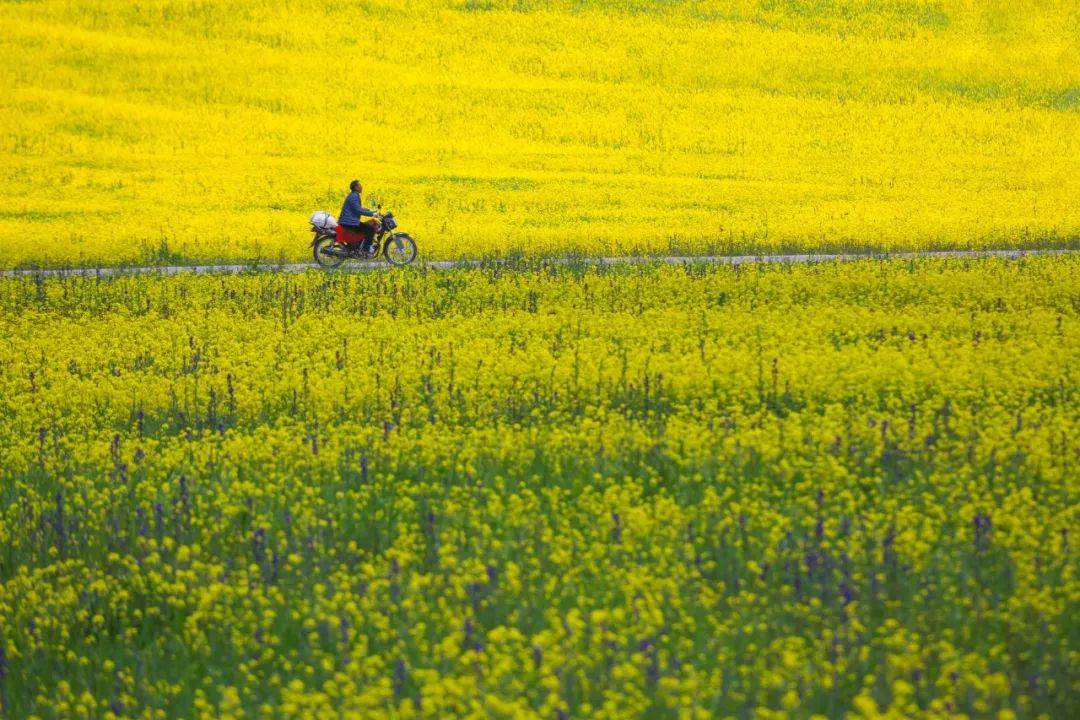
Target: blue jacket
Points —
{"points": [[352, 210]]}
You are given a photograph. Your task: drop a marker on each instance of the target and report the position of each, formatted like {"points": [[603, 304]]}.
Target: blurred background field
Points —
{"points": [[182, 131]]}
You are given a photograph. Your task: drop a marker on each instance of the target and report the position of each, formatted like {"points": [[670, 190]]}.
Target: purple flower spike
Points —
{"points": [[400, 676]]}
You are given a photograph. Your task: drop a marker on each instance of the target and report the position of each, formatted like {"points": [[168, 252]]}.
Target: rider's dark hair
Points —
{"points": [[354, 185]]}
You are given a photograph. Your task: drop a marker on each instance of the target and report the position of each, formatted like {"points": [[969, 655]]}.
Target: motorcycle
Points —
{"points": [[331, 244]]}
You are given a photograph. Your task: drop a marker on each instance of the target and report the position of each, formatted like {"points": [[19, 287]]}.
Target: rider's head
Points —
{"points": [[355, 186]]}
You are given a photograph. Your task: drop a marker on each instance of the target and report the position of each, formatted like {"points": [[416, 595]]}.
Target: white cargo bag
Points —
{"points": [[323, 220]]}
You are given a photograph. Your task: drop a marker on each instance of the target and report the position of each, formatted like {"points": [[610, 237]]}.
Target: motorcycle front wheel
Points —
{"points": [[400, 249], [323, 260]]}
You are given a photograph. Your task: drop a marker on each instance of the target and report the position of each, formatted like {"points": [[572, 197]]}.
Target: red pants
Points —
{"points": [[352, 234]]}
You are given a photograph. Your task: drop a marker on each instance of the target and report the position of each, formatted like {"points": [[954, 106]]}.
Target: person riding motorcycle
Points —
{"points": [[352, 210]]}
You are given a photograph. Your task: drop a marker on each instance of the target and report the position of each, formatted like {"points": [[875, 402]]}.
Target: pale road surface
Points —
{"points": [[448, 264]]}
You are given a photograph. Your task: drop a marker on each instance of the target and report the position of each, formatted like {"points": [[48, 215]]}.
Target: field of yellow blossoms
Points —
{"points": [[535, 487], [543, 491], [180, 131]]}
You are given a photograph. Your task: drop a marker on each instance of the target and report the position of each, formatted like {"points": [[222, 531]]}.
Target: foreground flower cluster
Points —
{"points": [[194, 130], [554, 492], [542, 492]]}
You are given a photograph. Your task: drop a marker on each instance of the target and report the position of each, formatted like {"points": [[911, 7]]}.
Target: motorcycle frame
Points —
{"points": [[381, 237]]}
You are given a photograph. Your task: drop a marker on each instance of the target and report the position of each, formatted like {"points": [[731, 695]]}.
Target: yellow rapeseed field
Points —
{"points": [[197, 130], [543, 492], [540, 488]]}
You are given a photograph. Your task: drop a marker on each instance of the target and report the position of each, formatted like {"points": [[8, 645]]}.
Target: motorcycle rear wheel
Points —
{"points": [[323, 260], [400, 249]]}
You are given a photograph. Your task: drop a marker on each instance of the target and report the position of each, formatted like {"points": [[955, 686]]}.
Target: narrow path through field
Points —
{"points": [[625, 260]]}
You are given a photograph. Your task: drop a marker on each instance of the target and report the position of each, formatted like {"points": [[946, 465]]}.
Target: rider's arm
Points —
{"points": [[353, 203], [361, 210]]}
